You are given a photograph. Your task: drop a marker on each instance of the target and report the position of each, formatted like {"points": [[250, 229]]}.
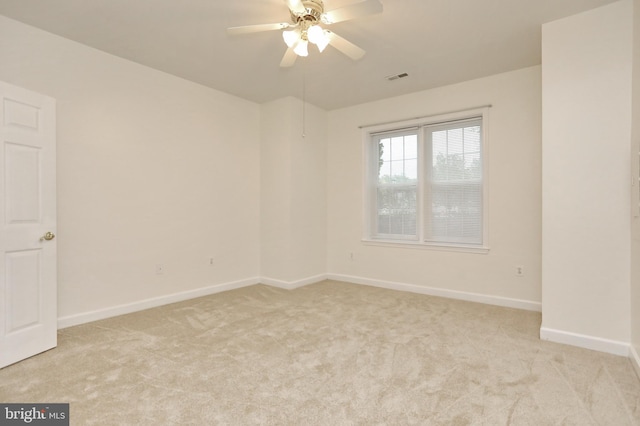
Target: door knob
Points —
{"points": [[48, 236]]}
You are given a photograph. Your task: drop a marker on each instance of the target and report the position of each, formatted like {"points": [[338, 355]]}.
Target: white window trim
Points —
{"points": [[368, 182]]}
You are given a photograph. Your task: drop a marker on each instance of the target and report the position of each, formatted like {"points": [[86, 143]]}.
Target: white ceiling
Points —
{"points": [[436, 42]]}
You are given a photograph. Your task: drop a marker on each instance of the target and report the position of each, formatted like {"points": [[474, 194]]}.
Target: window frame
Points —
{"points": [[370, 235]]}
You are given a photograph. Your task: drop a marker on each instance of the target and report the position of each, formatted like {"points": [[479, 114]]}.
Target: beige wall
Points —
{"points": [[586, 259], [635, 199], [514, 194], [152, 169]]}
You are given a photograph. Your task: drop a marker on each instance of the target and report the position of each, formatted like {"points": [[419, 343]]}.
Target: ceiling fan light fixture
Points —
{"points": [[315, 34], [324, 41], [308, 18], [301, 48], [291, 37]]}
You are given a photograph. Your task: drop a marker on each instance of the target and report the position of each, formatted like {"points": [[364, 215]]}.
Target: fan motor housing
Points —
{"points": [[313, 11]]}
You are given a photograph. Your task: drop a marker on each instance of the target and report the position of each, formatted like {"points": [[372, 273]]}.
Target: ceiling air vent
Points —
{"points": [[396, 76]]}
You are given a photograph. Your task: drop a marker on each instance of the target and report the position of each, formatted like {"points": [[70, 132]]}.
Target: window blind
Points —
{"points": [[454, 182]]}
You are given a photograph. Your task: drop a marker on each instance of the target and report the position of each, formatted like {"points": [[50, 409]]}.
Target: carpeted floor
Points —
{"points": [[327, 354]]}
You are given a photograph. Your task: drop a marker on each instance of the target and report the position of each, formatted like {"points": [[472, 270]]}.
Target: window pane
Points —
{"points": [[384, 167], [397, 170], [456, 214], [384, 172], [454, 142], [473, 166], [411, 158], [411, 170], [472, 139], [385, 149], [398, 160], [456, 154], [397, 148], [397, 210], [439, 145], [411, 147], [455, 190]]}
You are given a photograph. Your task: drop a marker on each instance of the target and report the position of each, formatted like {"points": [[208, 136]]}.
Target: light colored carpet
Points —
{"points": [[327, 354]]}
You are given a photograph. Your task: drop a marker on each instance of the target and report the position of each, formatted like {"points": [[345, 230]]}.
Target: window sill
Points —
{"points": [[426, 246]]}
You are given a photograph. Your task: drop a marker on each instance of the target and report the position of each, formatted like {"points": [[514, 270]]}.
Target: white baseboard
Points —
{"points": [[441, 292], [85, 317], [128, 308], [635, 359], [587, 342], [154, 302], [557, 336], [290, 285]]}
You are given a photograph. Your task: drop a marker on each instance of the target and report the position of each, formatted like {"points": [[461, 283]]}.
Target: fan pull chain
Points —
{"points": [[304, 95]]}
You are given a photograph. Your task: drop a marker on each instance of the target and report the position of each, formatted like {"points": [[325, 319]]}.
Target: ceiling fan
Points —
{"points": [[306, 18]]}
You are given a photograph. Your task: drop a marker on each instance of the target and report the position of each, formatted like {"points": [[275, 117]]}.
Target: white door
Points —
{"points": [[28, 297]]}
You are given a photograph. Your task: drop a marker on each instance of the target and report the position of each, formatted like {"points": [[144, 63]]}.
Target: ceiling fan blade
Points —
{"points": [[345, 46], [355, 10], [295, 6], [289, 58], [246, 29]]}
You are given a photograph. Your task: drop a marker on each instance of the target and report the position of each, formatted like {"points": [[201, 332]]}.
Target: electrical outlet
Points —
{"points": [[519, 271], [159, 269]]}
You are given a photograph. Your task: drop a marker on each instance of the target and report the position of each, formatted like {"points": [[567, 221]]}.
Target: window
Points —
{"points": [[426, 184], [397, 185]]}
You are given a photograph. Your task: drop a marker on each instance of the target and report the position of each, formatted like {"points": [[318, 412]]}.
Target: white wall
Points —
{"points": [[293, 193], [151, 169], [514, 194], [586, 92]]}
